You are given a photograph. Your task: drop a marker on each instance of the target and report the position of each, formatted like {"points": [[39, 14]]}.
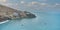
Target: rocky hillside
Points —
{"points": [[12, 13], [6, 11]]}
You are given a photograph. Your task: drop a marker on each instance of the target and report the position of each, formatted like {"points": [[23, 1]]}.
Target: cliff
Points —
{"points": [[7, 13]]}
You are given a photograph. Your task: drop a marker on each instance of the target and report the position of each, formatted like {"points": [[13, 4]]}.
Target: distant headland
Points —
{"points": [[7, 13]]}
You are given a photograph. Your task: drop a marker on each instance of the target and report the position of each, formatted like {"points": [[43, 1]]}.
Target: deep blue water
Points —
{"points": [[43, 21]]}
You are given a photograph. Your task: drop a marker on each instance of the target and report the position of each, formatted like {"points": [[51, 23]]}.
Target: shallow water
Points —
{"points": [[43, 21]]}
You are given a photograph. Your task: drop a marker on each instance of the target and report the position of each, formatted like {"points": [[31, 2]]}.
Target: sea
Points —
{"points": [[45, 20]]}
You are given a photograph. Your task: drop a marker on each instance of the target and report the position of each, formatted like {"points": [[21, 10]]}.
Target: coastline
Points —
{"points": [[7, 13]]}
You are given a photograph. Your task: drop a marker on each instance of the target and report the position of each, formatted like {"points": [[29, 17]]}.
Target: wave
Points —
{"points": [[4, 22]]}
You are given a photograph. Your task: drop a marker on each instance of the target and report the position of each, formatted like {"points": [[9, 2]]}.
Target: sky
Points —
{"points": [[32, 4]]}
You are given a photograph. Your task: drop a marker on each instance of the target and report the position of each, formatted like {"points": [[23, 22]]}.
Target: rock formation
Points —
{"points": [[7, 13]]}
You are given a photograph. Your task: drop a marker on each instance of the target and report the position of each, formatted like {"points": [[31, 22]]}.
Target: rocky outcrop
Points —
{"points": [[4, 19], [7, 13]]}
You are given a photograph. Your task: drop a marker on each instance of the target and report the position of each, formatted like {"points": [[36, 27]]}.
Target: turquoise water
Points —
{"points": [[43, 21]]}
